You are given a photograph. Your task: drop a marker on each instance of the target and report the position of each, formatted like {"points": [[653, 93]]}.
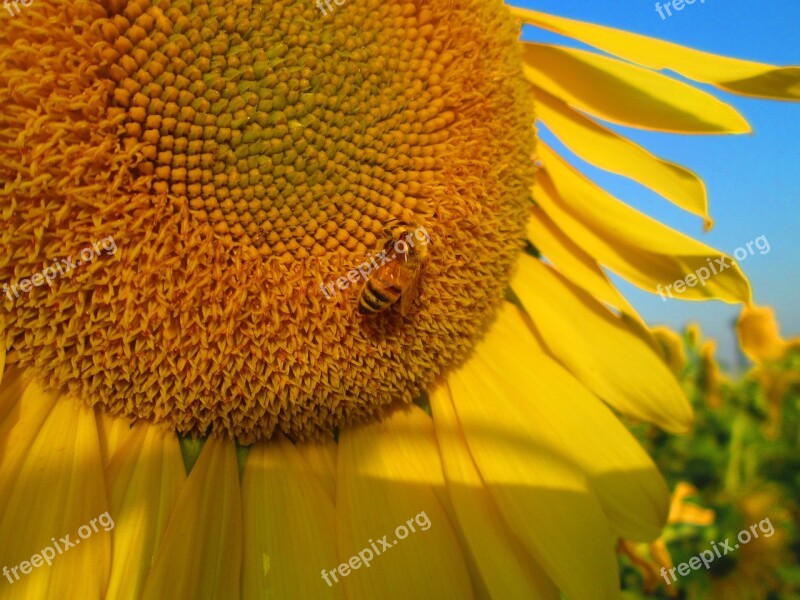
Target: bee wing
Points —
{"points": [[391, 273], [410, 290]]}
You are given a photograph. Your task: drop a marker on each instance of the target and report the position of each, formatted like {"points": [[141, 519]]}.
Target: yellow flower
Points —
{"points": [[651, 559], [759, 336], [775, 368], [239, 155], [711, 377]]}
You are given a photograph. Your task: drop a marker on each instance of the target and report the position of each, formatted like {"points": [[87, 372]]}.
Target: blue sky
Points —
{"points": [[753, 180]]}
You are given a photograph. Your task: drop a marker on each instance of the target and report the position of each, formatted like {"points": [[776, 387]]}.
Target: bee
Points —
{"points": [[399, 276]]}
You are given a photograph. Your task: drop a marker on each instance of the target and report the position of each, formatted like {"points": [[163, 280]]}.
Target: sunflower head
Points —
{"points": [[240, 156]]}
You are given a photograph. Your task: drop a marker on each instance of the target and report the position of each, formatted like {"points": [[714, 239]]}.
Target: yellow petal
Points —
{"points": [[610, 151], [630, 95], [57, 509], [571, 260], [390, 479], [144, 482], [321, 457], [682, 511], [635, 246], [201, 552], [21, 425], [759, 335], [542, 495], [632, 492], [115, 432], [602, 350], [505, 566], [13, 384], [290, 533], [739, 76]]}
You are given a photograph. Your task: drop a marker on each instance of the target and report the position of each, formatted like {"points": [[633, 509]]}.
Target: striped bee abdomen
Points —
{"points": [[378, 295]]}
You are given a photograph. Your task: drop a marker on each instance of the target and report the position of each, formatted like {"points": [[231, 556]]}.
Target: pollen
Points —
{"points": [[241, 155]]}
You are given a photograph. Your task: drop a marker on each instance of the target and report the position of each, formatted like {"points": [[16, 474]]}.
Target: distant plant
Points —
{"points": [[738, 466]]}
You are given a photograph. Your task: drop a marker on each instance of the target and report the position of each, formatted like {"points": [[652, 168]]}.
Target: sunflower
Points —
{"points": [[182, 180], [777, 363]]}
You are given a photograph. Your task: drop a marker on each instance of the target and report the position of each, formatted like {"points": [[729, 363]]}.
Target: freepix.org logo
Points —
{"points": [[59, 267], [48, 554], [366, 555], [669, 5], [15, 3], [327, 3], [715, 267], [719, 550], [362, 272]]}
